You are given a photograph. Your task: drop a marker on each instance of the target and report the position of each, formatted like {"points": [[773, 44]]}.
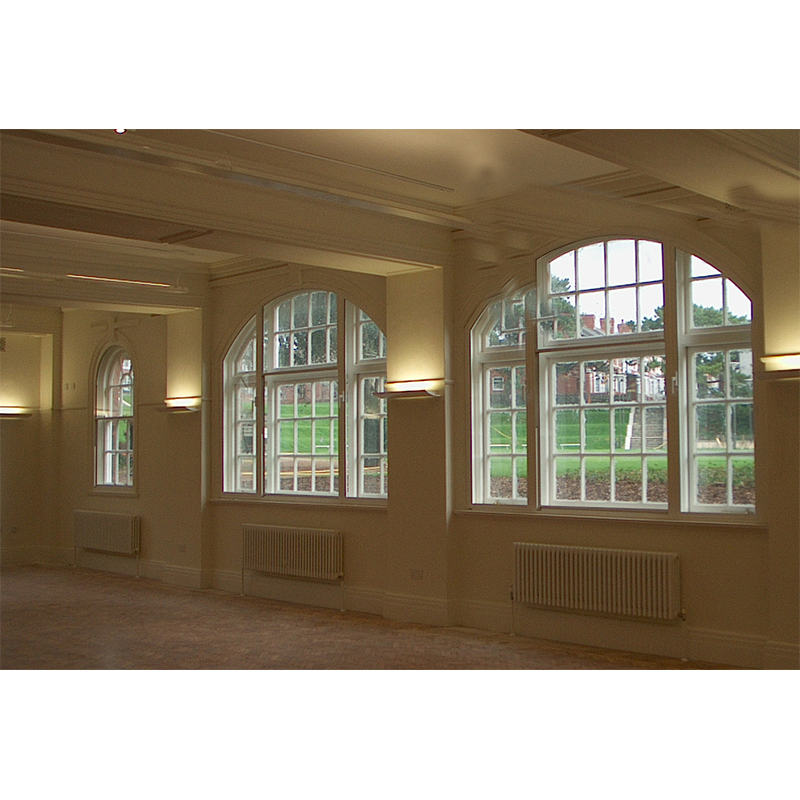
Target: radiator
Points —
{"points": [[293, 552], [108, 533], [617, 582]]}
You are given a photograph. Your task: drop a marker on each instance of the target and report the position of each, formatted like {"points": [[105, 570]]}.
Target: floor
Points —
{"points": [[59, 618]]}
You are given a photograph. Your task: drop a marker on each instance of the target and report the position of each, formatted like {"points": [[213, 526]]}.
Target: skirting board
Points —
{"points": [[781, 655]]}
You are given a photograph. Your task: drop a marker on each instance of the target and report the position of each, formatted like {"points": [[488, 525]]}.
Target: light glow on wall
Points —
{"points": [[781, 363]]}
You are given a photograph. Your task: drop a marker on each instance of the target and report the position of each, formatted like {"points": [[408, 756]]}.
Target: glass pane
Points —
{"points": [[247, 361], [651, 307], [707, 303], [319, 349], [285, 315], [568, 385], [622, 311], [701, 269], [597, 430], [592, 306], [245, 478], [372, 435], [300, 348], [596, 381], [322, 437], [657, 479], [650, 262], [742, 426], [621, 262], [333, 344], [370, 403], [300, 308], [628, 480], [709, 374], [286, 435], [654, 386], [284, 350], [568, 431], [568, 479], [712, 480], [246, 439], [500, 433], [655, 428], [710, 431], [500, 478], [332, 311], [287, 474], [500, 387], [521, 432], [246, 405], [370, 340], [323, 475], [520, 387], [598, 478], [591, 266], [739, 307], [563, 326], [319, 308], [741, 373], [743, 479], [562, 273], [624, 423], [625, 379], [372, 476]]}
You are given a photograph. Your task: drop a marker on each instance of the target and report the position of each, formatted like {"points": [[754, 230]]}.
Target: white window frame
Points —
{"points": [[353, 370], [676, 343], [115, 405]]}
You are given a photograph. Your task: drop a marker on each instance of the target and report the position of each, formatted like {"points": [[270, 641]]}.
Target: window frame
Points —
{"points": [[268, 375], [676, 343]]}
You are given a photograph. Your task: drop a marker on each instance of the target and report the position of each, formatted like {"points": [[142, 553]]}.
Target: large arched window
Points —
{"points": [[114, 420], [621, 344], [320, 428]]}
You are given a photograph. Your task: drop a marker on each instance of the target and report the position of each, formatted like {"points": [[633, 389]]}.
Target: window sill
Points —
{"points": [[698, 519], [347, 503], [114, 491]]}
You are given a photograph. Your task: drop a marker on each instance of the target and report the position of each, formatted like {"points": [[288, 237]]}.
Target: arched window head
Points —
{"points": [[114, 419], [301, 411]]}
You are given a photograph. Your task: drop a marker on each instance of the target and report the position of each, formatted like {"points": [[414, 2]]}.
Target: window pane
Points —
{"points": [[741, 421], [319, 308], [741, 373], [712, 480], [300, 348], [500, 387], [710, 431], [707, 303], [247, 362], [319, 348], [591, 266], [500, 433], [568, 431], [596, 381], [285, 316], [568, 478], [657, 479], [628, 480], [622, 311], [710, 375], [655, 428], [700, 268], [621, 262], [597, 427], [592, 306], [568, 384], [370, 340], [501, 478], [300, 308], [739, 307], [651, 307], [651, 266], [598, 478], [562, 273], [743, 480], [624, 424]]}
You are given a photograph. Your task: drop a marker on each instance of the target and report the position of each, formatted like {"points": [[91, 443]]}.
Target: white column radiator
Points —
{"points": [[631, 583], [292, 552], [107, 533]]}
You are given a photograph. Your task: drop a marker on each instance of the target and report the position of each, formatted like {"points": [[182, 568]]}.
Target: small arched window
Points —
{"points": [[114, 419], [301, 411]]}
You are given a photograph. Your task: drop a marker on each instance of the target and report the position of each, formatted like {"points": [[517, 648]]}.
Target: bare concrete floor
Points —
{"points": [[57, 618]]}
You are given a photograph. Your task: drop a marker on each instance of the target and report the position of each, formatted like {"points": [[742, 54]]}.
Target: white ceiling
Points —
{"points": [[212, 201]]}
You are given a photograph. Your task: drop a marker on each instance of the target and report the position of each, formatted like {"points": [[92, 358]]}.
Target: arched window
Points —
{"points": [[114, 420], [320, 428], [603, 389]]}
